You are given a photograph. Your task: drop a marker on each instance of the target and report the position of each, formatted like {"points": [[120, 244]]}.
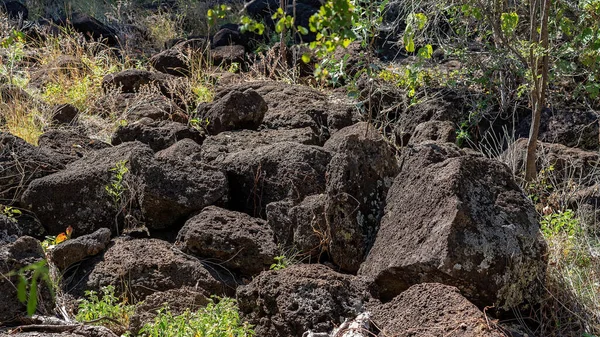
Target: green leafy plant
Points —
{"points": [[27, 290], [116, 188], [13, 45], [557, 223], [281, 262], [106, 309], [220, 318], [10, 212]]}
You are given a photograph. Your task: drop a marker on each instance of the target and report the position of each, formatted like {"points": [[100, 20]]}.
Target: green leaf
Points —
{"points": [[306, 58], [22, 289], [346, 43], [302, 30], [509, 22], [33, 300], [409, 44], [425, 52]]}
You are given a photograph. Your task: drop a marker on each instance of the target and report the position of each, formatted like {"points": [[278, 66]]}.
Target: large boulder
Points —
{"points": [[69, 145], [14, 256], [178, 301], [20, 163], [75, 250], [227, 55], [572, 128], [296, 106], [568, 163], [300, 226], [459, 219], [143, 267], [216, 148], [236, 240], [359, 175], [275, 172], [299, 298], [77, 196], [171, 61], [14, 9], [235, 110], [157, 192], [92, 28], [174, 189], [16, 223], [159, 135], [432, 310], [132, 80]]}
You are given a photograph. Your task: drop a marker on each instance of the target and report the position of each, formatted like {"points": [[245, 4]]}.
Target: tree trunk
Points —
{"points": [[539, 71]]}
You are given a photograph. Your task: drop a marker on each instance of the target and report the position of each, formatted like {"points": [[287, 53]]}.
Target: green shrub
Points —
{"points": [[217, 319], [108, 306]]}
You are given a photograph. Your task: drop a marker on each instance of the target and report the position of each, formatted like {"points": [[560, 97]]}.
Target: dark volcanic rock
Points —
{"points": [[227, 55], [166, 191], [301, 227], [460, 220], [236, 110], [64, 113], [14, 256], [75, 250], [171, 61], [133, 107], [236, 240], [299, 298], [275, 172], [178, 300], [69, 144], [185, 149], [20, 163], [435, 131], [93, 28], [296, 106], [77, 195], [16, 225], [216, 148], [174, 189], [576, 128], [131, 80], [147, 266], [14, 9], [432, 310], [159, 135], [358, 178]]}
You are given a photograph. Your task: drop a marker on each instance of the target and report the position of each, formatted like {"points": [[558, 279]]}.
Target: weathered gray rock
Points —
{"points": [[233, 239], [459, 220], [358, 178], [275, 172], [299, 298], [75, 250]]}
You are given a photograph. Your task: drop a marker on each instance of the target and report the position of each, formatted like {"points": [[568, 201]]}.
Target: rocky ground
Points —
{"points": [[177, 200]]}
